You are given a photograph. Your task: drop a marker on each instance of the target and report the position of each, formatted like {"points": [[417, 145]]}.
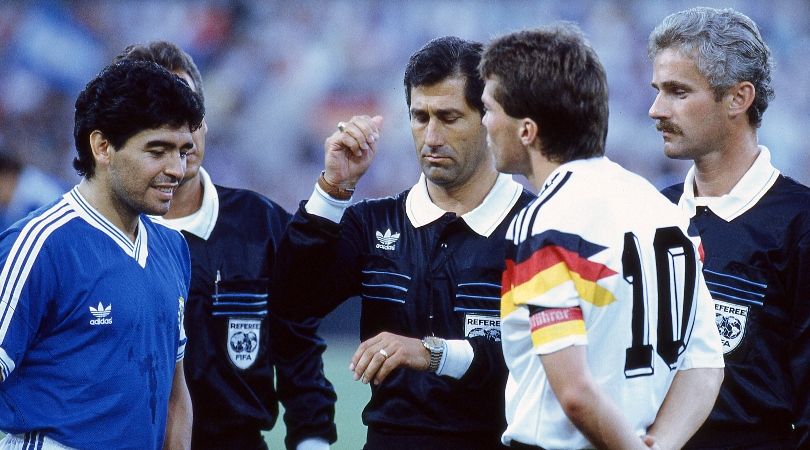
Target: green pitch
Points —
{"points": [[352, 397]]}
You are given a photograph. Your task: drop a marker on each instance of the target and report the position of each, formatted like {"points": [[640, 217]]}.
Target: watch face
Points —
{"points": [[433, 343]]}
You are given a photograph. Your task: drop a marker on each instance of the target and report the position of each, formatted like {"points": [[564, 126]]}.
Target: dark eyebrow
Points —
{"points": [[671, 85], [167, 144], [440, 112], [449, 112]]}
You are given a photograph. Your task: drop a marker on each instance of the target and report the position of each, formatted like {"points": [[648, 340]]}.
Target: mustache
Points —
{"points": [[669, 127], [432, 151], [163, 180]]}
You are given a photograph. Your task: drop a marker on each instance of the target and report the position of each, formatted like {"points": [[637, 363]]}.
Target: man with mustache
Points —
{"points": [[712, 72], [232, 377], [92, 292], [426, 262]]}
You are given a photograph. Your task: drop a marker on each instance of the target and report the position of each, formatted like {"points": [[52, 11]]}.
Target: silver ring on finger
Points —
{"points": [[384, 353], [341, 126]]}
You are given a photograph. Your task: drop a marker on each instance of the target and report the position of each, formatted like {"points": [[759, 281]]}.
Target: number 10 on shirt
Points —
{"points": [[676, 275]]}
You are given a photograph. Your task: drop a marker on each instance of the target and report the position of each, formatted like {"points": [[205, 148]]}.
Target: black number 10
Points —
{"points": [[676, 299]]}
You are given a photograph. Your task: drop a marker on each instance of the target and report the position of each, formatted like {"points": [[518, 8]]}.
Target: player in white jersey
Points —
{"points": [[605, 314]]}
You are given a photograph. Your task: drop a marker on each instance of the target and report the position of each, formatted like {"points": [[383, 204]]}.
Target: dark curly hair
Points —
{"points": [[126, 98]]}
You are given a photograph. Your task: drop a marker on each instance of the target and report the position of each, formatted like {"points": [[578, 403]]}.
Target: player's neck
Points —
{"points": [[187, 198], [718, 172], [541, 168], [465, 197], [104, 201]]}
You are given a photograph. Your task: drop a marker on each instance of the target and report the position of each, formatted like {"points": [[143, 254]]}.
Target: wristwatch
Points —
{"points": [[434, 345]]}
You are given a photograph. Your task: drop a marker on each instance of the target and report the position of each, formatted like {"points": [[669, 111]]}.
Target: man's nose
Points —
{"points": [[434, 133]]}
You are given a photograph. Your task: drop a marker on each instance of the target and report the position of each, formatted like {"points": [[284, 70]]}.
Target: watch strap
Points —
{"points": [[338, 192], [435, 347]]}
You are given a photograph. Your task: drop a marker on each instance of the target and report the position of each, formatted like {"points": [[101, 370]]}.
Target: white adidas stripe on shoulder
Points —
{"points": [[21, 258]]}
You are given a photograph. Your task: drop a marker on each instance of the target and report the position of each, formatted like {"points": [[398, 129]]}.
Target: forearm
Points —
{"points": [[311, 249], [603, 424], [688, 402], [307, 396], [585, 404], [800, 344], [180, 415]]}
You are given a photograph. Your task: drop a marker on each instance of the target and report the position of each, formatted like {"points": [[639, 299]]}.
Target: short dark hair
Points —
{"points": [[443, 58], [165, 54], [126, 98], [552, 76], [727, 49]]}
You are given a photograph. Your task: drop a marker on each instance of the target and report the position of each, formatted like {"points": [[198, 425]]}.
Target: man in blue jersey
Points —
{"points": [[232, 236], [712, 72], [92, 292]]}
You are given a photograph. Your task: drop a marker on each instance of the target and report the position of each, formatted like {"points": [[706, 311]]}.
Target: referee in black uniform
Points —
{"points": [[234, 380], [712, 71], [427, 263]]}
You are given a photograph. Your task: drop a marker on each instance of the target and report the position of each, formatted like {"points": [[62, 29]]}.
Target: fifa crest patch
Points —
{"points": [[482, 325], [243, 341], [731, 320]]}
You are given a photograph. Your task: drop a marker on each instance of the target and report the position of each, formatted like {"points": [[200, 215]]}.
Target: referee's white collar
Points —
{"points": [[745, 194], [200, 223], [484, 219]]}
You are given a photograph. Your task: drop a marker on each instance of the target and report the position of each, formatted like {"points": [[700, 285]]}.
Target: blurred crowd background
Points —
{"points": [[278, 76]]}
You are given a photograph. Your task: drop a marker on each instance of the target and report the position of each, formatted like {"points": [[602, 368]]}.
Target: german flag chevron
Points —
{"points": [[549, 260]]}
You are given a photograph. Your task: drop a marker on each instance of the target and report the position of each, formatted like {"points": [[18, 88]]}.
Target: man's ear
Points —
{"points": [[100, 147], [528, 131], [740, 97]]}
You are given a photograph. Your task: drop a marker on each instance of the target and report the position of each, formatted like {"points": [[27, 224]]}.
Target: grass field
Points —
{"points": [[352, 397]]}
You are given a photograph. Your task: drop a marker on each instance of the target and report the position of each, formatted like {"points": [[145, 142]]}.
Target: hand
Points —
{"points": [[348, 153], [369, 364]]}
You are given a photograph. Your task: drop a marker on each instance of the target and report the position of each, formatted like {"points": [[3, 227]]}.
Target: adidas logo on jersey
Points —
{"points": [[100, 313], [387, 240]]}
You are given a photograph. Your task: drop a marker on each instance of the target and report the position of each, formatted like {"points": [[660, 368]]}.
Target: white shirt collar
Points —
{"points": [[138, 250], [483, 219], [200, 223], [745, 194]]}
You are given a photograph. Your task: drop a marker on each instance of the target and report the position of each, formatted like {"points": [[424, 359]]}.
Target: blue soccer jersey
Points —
{"points": [[90, 327]]}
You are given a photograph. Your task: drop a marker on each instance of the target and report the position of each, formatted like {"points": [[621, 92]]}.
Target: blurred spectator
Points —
{"points": [[278, 73], [23, 188]]}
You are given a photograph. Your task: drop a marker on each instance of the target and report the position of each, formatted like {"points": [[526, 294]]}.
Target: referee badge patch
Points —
{"points": [[243, 341], [731, 320], [482, 325]]}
